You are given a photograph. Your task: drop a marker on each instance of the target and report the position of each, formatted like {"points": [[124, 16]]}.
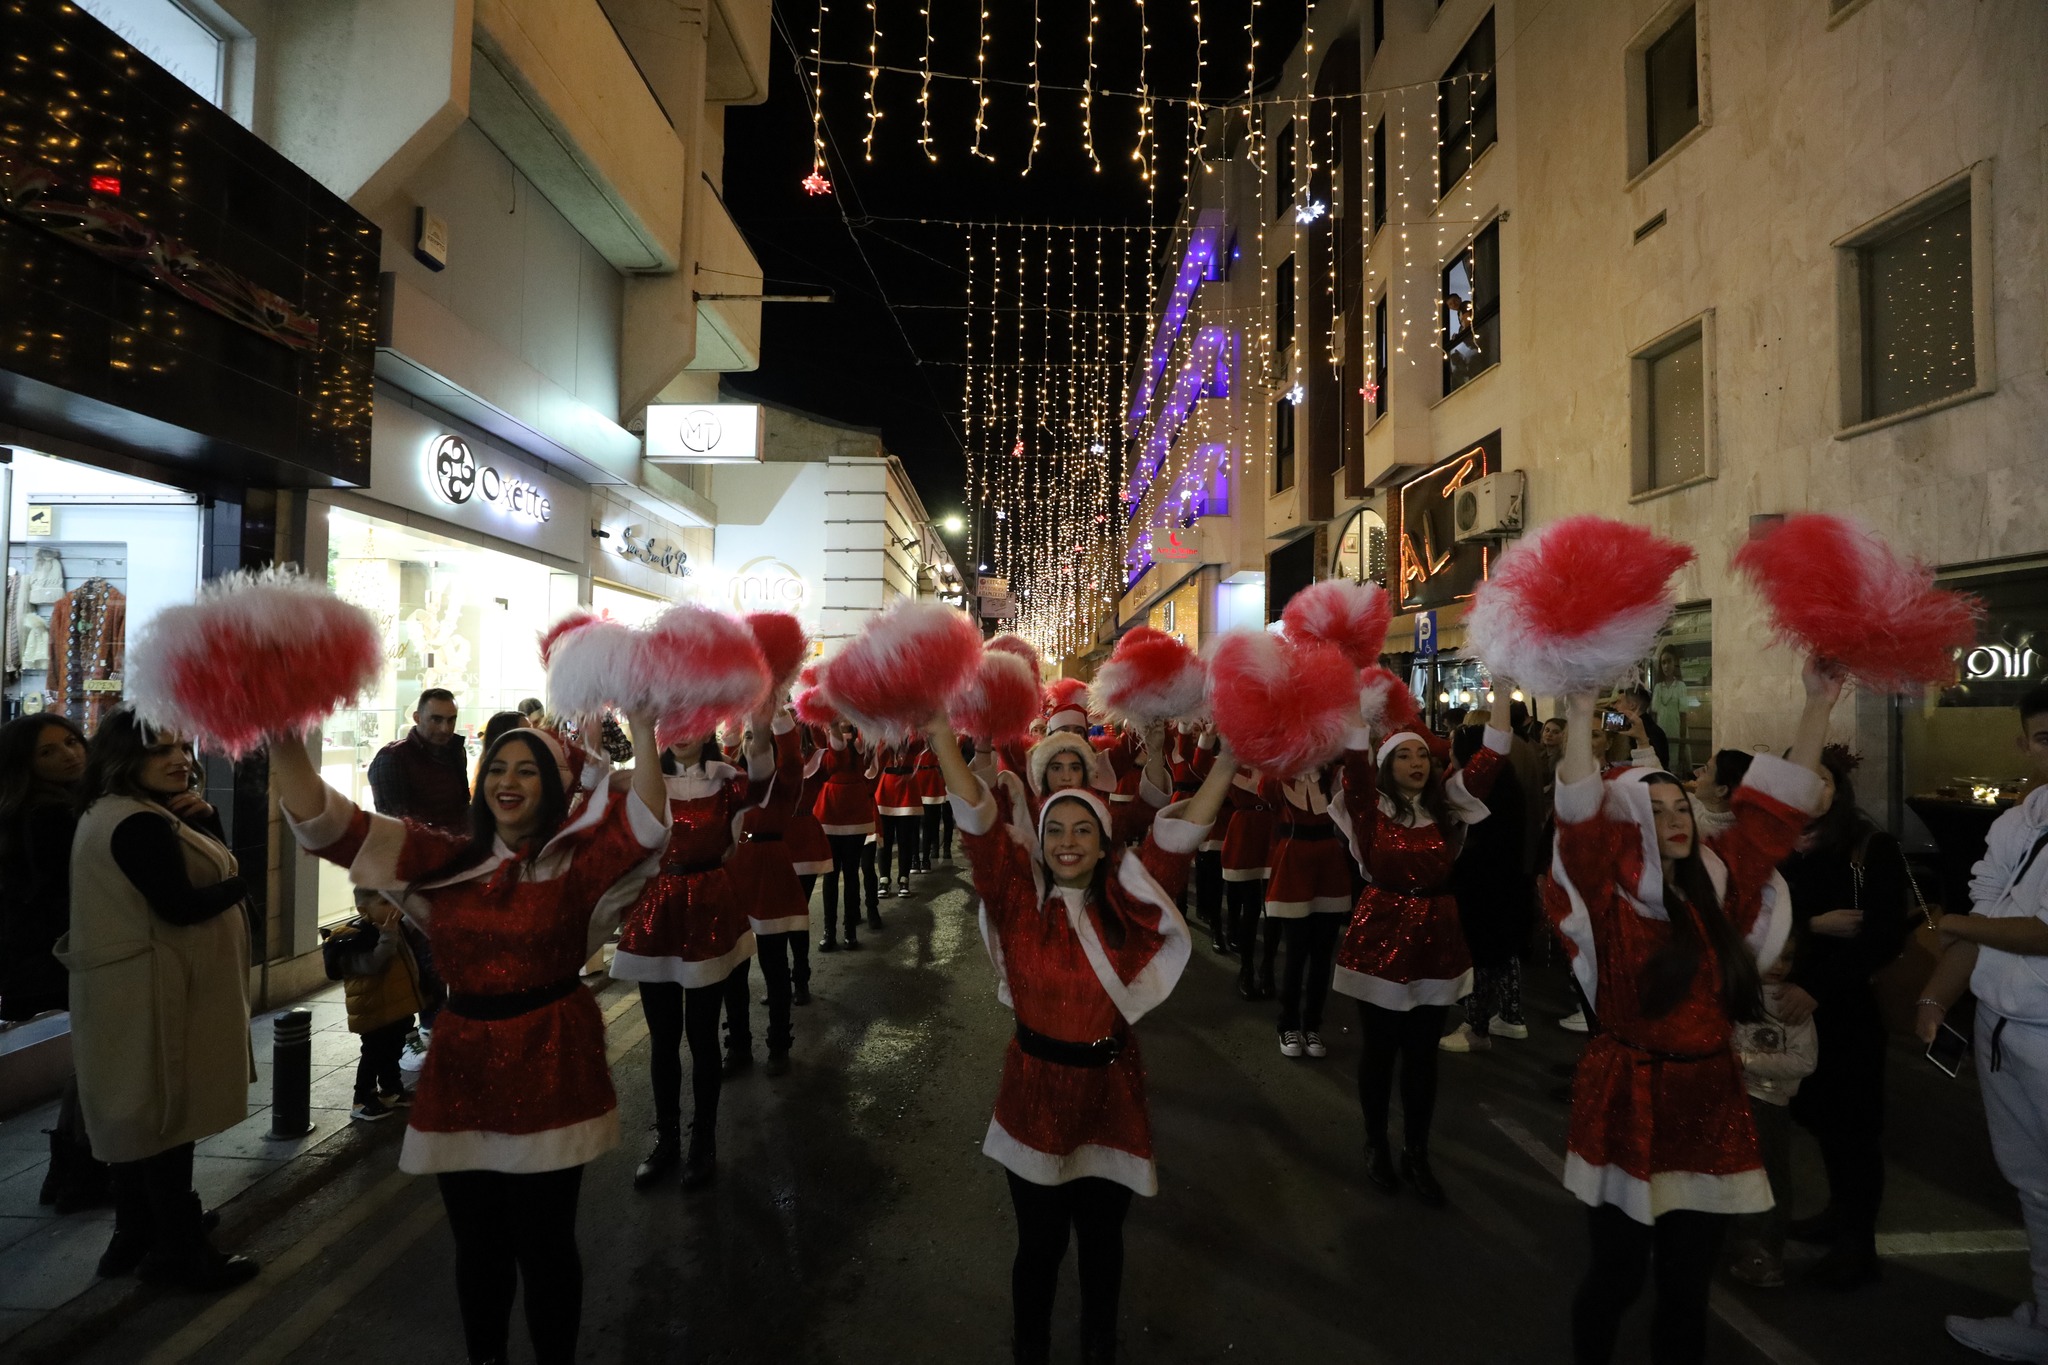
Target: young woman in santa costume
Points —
{"points": [[515, 1096], [683, 938], [1247, 862], [1403, 955], [776, 899], [846, 811], [1085, 939], [901, 811], [1309, 893], [935, 839], [1665, 932]]}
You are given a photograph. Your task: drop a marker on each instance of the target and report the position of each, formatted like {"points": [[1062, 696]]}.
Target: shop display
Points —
{"points": [[66, 629]]}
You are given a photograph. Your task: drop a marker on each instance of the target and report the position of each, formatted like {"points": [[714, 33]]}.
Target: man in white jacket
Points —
{"points": [[2001, 950]]}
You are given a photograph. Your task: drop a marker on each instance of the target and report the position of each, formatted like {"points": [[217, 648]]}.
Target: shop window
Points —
{"points": [[1362, 549], [1283, 305], [1671, 85], [1465, 107], [170, 35], [1377, 397], [1282, 169], [1680, 674], [1380, 173], [1289, 569], [1471, 329], [1283, 445], [1916, 306], [1670, 401]]}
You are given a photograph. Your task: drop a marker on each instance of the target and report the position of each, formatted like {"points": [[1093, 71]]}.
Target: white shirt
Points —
{"points": [[2014, 985]]}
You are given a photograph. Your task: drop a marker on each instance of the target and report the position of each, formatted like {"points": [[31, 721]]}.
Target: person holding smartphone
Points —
{"points": [[2000, 951]]}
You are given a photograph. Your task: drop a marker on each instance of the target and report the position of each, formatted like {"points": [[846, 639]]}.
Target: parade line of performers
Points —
{"points": [[1083, 853]]}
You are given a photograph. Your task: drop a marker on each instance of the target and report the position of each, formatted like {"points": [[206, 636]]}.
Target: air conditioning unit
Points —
{"points": [[1490, 508]]}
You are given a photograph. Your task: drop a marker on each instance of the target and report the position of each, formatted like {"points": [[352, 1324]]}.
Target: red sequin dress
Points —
{"points": [[1055, 968], [688, 926], [896, 790], [1248, 844], [846, 802], [1404, 946], [530, 1092], [762, 869], [1660, 1120], [1311, 871]]}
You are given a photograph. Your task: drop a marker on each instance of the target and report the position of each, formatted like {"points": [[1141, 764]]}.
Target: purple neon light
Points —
{"points": [[1198, 264]]}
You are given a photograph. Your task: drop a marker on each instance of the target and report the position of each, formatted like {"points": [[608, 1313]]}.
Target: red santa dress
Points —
{"points": [[688, 926], [846, 801], [1311, 871], [1660, 1119], [762, 869], [1248, 843], [896, 788], [810, 854], [516, 1080]]}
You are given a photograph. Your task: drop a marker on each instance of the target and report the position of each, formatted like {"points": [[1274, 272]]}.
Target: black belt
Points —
{"points": [[1657, 1056], [1186, 788], [899, 772], [762, 836], [690, 869], [1419, 893], [1101, 1052], [1288, 831], [510, 1004]]}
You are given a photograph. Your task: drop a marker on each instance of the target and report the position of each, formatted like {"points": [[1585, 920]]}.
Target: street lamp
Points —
{"points": [[952, 525]]}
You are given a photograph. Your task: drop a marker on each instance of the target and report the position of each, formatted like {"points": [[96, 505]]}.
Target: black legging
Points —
{"points": [[849, 864], [899, 839], [1411, 1036], [510, 1228], [777, 952], [153, 1198], [938, 831], [1305, 983], [1209, 890], [673, 1013], [1842, 1105], [1094, 1208], [1685, 1246]]}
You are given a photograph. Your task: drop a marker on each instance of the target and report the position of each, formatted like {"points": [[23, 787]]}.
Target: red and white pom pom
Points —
{"points": [[258, 653], [1576, 605], [1838, 592], [1283, 706], [784, 644], [592, 666], [1150, 677], [902, 669], [1011, 643], [575, 620], [809, 699], [1386, 705], [698, 668], [1065, 695], [999, 702], [1352, 616]]}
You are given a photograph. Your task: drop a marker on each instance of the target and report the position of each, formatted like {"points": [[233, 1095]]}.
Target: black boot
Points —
{"points": [[828, 944], [701, 1168], [1247, 989], [1415, 1170], [800, 994], [189, 1260], [738, 1061], [1850, 1263], [1267, 989], [1030, 1351], [1824, 1227], [668, 1149], [1098, 1348], [874, 921], [852, 941], [124, 1252], [1379, 1165], [778, 1063]]}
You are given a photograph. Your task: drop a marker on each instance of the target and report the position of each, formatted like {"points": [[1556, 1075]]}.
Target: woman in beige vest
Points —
{"points": [[158, 954]]}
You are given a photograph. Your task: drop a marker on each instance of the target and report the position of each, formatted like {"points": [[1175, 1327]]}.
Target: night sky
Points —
{"points": [[887, 352]]}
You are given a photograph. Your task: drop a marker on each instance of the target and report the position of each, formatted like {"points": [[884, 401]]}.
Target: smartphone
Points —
{"points": [[1948, 1050], [1616, 721]]}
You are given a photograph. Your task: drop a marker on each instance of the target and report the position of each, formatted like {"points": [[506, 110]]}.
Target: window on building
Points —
{"points": [[1465, 118], [1283, 169], [1380, 173], [1916, 310], [170, 35], [1379, 28], [1376, 395], [1283, 305], [1471, 327], [1671, 84], [1283, 445], [1670, 404]]}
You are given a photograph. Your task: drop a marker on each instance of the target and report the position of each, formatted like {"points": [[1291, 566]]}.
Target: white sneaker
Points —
{"points": [[1464, 1039], [1313, 1042], [2017, 1337], [415, 1055], [1500, 1028], [1575, 1022], [1292, 1043]]}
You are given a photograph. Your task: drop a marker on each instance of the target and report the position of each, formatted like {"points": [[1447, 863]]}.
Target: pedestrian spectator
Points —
{"points": [[1713, 788], [1848, 883], [42, 764], [158, 953], [534, 710], [380, 984], [1496, 903], [1642, 735], [422, 778], [2000, 950], [1776, 1055]]}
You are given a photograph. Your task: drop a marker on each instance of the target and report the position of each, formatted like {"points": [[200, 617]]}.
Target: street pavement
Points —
{"points": [[856, 1222]]}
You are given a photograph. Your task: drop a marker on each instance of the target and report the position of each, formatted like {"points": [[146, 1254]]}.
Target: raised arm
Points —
{"points": [[1578, 763], [1823, 689], [960, 779], [1207, 802], [299, 788], [647, 783]]}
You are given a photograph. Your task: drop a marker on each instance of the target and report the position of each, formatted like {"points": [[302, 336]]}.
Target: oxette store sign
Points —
{"points": [[422, 462], [457, 476]]}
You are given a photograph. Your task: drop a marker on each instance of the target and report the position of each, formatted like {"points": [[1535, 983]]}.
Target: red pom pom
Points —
{"points": [[260, 653], [1839, 593], [1352, 616], [592, 664], [1065, 694], [1023, 649], [999, 702], [1151, 676], [1386, 704], [575, 620], [698, 667], [783, 643], [809, 701], [1576, 605], [1284, 706], [902, 669]]}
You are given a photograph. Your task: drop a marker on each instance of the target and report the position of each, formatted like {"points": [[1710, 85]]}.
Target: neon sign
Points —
{"points": [[455, 474], [2000, 663], [1435, 569]]}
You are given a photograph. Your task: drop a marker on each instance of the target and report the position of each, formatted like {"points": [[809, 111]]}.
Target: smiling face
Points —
{"points": [[1673, 813], [513, 790], [167, 766], [1073, 842], [1065, 772], [59, 757], [1408, 766]]}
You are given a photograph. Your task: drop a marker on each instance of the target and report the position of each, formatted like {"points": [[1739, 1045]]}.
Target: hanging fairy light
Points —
{"points": [[816, 182], [867, 142], [1138, 153], [981, 86], [1088, 93], [1037, 121], [924, 89]]}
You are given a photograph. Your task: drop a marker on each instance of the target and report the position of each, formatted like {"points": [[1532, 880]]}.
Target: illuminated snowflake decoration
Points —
{"points": [[1296, 394], [1309, 211], [816, 183], [1371, 393]]}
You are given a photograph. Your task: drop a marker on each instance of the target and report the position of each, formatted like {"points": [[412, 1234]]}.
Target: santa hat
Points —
{"points": [[1051, 747], [1066, 703], [1397, 739]]}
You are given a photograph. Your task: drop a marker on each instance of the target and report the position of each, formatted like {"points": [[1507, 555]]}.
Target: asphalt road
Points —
{"points": [[855, 1221]]}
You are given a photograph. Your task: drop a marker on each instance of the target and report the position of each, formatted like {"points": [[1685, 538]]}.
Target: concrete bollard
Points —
{"points": [[291, 1075]]}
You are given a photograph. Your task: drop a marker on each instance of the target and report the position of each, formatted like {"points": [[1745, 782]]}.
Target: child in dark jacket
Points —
{"points": [[381, 983]]}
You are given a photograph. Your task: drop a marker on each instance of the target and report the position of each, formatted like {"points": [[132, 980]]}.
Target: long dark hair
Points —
{"points": [[1696, 919], [483, 825], [114, 766], [495, 729], [1843, 825], [1098, 882], [19, 786], [708, 754], [1429, 801]]}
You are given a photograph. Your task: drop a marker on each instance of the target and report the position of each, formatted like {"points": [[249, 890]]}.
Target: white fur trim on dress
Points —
{"points": [[838, 830], [1320, 905], [788, 924], [1666, 1191], [1246, 874], [900, 810], [1401, 995], [1175, 833], [817, 868], [1155, 981], [682, 971], [1090, 1159], [552, 1149]]}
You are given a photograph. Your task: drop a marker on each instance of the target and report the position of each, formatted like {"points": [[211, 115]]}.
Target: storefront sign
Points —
{"points": [[2000, 663], [458, 477], [634, 543], [767, 583], [1436, 569], [428, 464], [704, 433], [1173, 544]]}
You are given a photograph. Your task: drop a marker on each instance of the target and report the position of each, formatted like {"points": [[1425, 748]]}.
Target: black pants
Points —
{"points": [[1409, 1036], [153, 1198], [899, 841], [510, 1228], [1684, 1246], [938, 831], [1842, 1105], [1209, 889], [673, 1013], [1305, 983], [850, 863], [377, 1072], [1094, 1209], [778, 953], [1243, 903]]}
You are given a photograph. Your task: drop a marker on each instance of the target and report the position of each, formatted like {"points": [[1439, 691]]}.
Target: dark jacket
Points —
{"points": [[415, 780], [35, 910]]}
